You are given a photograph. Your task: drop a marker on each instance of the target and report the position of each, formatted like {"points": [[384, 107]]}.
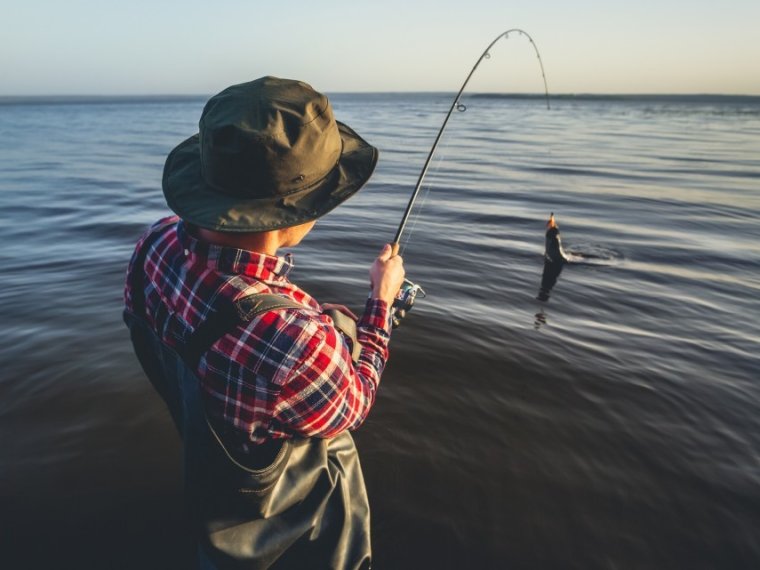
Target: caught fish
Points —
{"points": [[554, 259]]}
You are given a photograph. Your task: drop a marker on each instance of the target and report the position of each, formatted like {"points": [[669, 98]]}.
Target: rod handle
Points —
{"points": [[394, 248]]}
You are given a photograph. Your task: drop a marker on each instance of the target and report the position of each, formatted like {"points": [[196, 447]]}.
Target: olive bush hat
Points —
{"points": [[268, 154]]}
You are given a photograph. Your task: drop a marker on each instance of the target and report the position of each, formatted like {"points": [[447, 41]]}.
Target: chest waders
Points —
{"points": [[298, 503]]}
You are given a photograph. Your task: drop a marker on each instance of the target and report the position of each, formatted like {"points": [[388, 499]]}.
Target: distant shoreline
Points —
{"points": [[131, 99]]}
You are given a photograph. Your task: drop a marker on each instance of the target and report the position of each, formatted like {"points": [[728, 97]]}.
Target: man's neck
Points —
{"points": [[260, 242]]}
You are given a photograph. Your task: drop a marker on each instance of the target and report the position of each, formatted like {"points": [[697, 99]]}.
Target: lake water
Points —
{"points": [[616, 425]]}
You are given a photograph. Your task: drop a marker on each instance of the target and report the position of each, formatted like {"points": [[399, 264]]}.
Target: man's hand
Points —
{"points": [[386, 275]]}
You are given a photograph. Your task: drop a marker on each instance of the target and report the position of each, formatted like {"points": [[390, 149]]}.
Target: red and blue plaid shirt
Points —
{"points": [[286, 373]]}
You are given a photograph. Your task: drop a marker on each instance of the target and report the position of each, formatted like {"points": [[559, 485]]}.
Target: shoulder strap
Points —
{"points": [[244, 310], [219, 323], [347, 326], [251, 305]]}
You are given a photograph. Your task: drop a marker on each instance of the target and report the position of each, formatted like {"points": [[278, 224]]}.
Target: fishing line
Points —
{"points": [[456, 104], [415, 219], [425, 193]]}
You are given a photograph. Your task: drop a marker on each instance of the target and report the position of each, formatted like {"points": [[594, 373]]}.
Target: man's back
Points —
{"points": [[286, 373]]}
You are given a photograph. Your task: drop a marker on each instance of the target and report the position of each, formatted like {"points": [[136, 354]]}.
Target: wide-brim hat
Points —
{"points": [[269, 154]]}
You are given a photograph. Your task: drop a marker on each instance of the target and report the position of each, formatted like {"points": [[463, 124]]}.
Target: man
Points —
{"points": [[259, 380]]}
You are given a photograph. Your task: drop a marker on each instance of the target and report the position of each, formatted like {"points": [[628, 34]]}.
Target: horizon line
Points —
{"points": [[90, 97]]}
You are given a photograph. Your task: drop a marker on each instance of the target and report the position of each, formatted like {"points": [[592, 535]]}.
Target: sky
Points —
{"points": [[100, 47]]}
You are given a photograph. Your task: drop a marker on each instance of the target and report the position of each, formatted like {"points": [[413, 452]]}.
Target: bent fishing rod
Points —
{"points": [[409, 291], [460, 107]]}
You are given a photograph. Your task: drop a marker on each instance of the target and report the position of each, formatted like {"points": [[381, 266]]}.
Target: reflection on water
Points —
{"points": [[549, 278], [618, 430], [540, 317]]}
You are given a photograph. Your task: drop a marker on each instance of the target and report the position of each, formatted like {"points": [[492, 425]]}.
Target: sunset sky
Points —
{"points": [[194, 47]]}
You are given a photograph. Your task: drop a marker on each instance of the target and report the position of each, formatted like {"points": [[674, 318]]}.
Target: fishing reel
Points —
{"points": [[405, 301]]}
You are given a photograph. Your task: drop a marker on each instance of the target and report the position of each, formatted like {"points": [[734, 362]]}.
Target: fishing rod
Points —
{"points": [[409, 291], [460, 107]]}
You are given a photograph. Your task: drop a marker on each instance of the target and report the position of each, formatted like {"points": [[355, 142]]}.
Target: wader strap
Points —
{"points": [[347, 326], [220, 322], [242, 311]]}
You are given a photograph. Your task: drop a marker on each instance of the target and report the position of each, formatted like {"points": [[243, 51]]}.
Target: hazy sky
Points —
{"points": [[189, 46]]}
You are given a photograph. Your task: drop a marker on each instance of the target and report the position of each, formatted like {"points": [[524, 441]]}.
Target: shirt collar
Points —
{"points": [[226, 259]]}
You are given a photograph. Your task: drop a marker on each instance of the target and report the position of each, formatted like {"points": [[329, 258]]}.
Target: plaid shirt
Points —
{"points": [[287, 372]]}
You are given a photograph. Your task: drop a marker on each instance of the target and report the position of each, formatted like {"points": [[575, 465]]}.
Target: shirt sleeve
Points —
{"points": [[158, 226], [326, 393]]}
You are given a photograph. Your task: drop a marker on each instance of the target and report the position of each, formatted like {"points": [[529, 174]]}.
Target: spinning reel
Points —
{"points": [[405, 301]]}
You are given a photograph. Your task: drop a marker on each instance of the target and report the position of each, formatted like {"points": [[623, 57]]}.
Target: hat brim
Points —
{"points": [[188, 195]]}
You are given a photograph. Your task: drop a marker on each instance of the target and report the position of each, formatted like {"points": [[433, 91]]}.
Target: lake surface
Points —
{"points": [[616, 425]]}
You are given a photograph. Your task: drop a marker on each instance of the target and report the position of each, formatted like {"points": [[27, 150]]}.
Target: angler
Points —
{"points": [[260, 380]]}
